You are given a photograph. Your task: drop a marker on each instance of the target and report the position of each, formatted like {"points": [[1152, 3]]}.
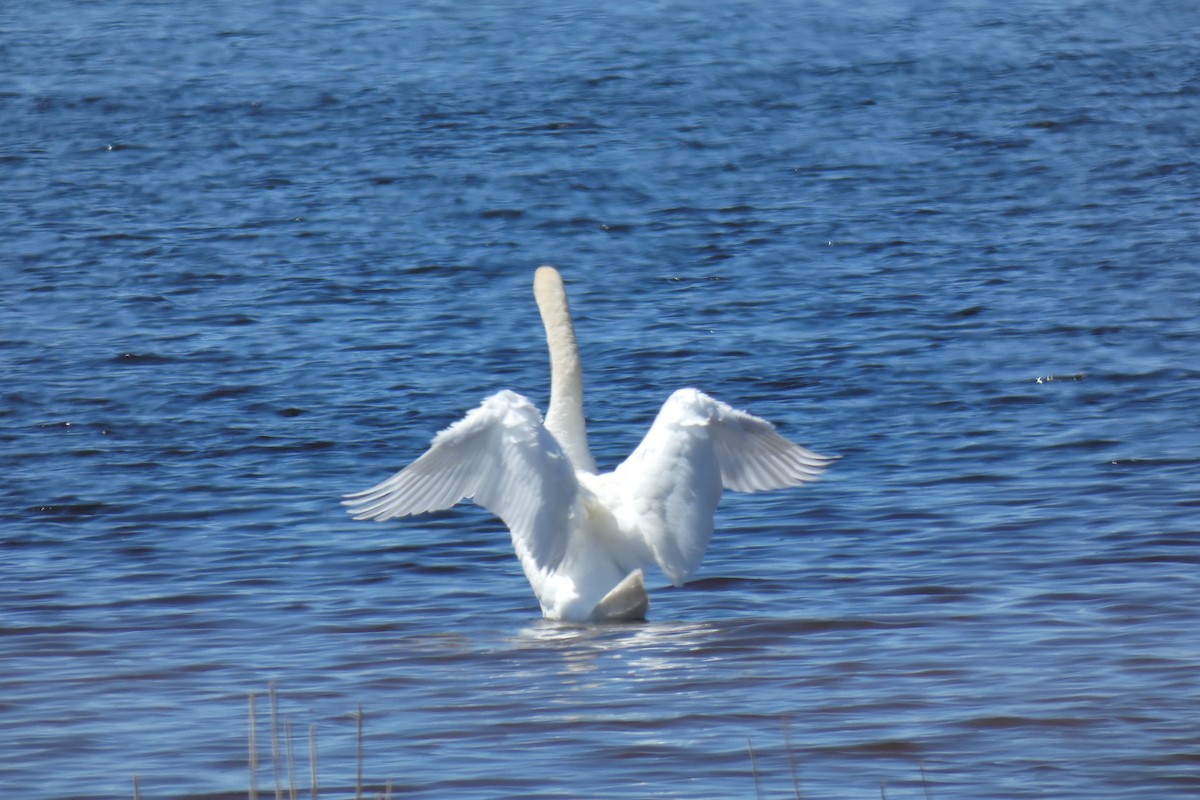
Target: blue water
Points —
{"points": [[253, 255]]}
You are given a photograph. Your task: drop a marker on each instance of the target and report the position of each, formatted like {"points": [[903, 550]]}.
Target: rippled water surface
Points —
{"points": [[253, 255]]}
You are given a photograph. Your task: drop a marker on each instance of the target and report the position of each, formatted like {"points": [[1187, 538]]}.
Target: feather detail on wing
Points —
{"points": [[697, 447], [501, 456], [754, 457]]}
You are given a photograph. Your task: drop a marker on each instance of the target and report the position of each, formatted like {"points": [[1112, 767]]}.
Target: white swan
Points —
{"points": [[583, 538]]}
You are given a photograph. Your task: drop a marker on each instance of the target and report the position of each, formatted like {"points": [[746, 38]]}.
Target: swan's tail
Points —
{"points": [[627, 601]]}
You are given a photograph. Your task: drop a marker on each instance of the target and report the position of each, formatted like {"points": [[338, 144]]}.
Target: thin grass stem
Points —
{"points": [[754, 769]]}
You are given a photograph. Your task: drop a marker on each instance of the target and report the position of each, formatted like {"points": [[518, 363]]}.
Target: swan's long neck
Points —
{"points": [[565, 417]]}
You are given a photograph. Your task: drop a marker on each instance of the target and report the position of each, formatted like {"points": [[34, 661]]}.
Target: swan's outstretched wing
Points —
{"points": [[501, 456], [697, 447]]}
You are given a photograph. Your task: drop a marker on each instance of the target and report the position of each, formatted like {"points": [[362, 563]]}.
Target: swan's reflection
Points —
{"points": [[647, 647]]}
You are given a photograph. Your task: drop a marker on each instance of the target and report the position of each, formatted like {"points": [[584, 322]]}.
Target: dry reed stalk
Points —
{"points": [[275, 737], [358, 783], [253, 753], [312, 759], [291, 759]]}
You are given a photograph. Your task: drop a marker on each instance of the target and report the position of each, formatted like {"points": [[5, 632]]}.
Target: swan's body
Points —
{"points": [[584, 538]]}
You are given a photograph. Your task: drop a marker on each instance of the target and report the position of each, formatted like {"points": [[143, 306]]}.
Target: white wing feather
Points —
{"points": [[697, 447], [501, 456]]}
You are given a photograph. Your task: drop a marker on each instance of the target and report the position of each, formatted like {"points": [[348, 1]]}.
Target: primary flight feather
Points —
{"points": [[584, 538]]}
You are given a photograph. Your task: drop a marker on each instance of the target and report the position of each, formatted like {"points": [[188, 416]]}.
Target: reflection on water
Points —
{"points": [[644, 646]]}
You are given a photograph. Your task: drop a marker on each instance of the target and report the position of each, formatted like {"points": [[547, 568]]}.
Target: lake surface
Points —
{"points": [[254, 255]]}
